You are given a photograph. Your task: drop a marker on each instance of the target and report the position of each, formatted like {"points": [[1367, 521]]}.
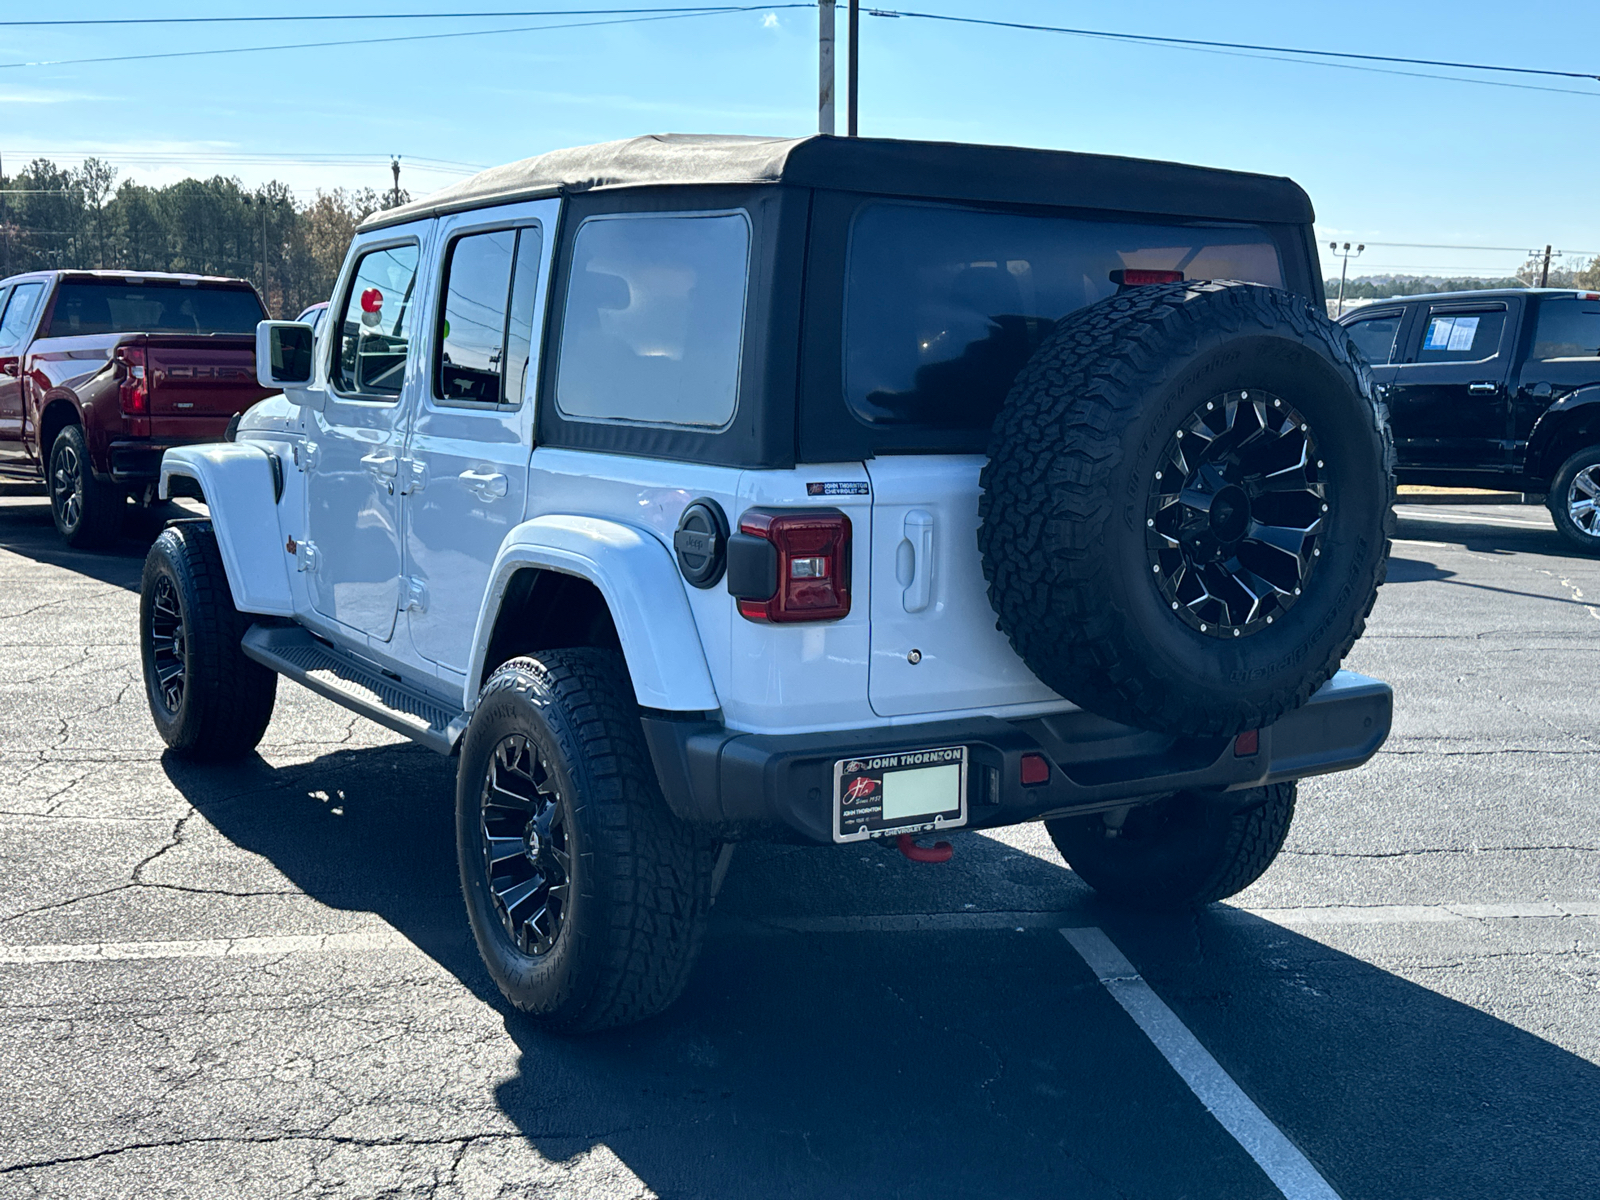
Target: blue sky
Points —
{"points": [[1386, 158]]}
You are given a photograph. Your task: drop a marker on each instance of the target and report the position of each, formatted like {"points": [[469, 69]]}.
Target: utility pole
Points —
{"points": [[855, 66], [394, 165], [825, 67], [1344, 256], [1544, 275], [5, 225]]}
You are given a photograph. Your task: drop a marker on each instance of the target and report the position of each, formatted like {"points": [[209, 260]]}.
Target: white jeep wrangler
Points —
{"points": [[697, 489]]}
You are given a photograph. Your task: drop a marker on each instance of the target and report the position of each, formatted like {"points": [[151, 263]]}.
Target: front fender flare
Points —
{"points": [[639, 581], [240, 489]]}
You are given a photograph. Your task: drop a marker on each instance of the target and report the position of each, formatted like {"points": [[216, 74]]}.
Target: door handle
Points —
{"points": [[1483, 388], [487, 485], [916, 555], [385, 466]]}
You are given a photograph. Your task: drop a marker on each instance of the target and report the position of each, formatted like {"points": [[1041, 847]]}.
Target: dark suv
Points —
{"points": [[1496, 389]]}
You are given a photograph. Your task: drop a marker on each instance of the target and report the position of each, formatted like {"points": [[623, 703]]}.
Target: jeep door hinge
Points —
{"points": [[305, 456], [416, 595], [305, 557]]}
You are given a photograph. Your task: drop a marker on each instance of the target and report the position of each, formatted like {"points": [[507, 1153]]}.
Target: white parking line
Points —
{"points": [[386, 939], [1290, 1171]]}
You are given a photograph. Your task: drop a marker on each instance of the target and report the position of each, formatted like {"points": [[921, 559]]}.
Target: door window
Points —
{"points": [[487, 311], [654, 323], [1461, 336], [18, 317], [1374, 336], [1567, 329], [376, 322]]}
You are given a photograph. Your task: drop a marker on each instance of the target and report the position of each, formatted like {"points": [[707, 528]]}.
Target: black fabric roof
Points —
{"points": [[880, 166]]}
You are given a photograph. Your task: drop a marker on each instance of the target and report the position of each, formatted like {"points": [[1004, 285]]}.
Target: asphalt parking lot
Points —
{"points": [[257, 981]]}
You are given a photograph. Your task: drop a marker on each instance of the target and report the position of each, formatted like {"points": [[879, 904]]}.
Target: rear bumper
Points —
{"points": [[767, 785], [137, 461]]}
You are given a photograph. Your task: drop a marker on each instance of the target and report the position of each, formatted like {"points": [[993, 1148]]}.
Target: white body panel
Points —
{"points": [[640, 581], [236, 479], [935, 647], [468, 489]]}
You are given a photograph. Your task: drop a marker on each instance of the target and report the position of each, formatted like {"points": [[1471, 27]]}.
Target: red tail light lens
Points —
{"points": [[133, 394], [804, 576], [1138, 277]]}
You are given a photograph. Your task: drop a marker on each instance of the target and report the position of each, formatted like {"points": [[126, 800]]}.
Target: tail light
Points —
{"points": [[133, 394], [1138, 277], [787, 565]]}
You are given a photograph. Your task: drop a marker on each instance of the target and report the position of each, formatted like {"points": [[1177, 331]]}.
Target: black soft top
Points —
{"points": [[879, 166]]}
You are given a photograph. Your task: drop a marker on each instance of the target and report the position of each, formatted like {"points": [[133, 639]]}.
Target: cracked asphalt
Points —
{"points": [[257, 980]]}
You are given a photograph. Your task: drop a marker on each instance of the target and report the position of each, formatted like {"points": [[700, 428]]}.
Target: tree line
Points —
{"points": [[1382, 287], [81, 218]]}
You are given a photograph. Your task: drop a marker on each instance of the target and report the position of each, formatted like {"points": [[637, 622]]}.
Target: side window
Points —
{"points": [[1567, 329], [487, 308], [1461, 336], [19, 312], [376, 322], [1374, 336], [653, 327]]}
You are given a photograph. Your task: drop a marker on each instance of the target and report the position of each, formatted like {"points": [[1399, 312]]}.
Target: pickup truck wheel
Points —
{"points": [[209, 701], [1187, 506], [87, 512], [586, 896], [1180, 852], [1574, 499]]}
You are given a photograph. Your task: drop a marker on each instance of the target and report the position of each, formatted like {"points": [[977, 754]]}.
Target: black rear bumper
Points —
{"points": [[764, 785]]}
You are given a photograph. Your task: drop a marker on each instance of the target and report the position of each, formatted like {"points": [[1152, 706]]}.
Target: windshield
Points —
{"points": [[943, 306], [112, 306]]}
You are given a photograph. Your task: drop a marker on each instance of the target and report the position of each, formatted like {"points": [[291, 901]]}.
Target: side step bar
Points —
{"points": [[294, 653]]}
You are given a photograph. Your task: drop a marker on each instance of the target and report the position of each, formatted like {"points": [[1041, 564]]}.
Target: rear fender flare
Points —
{"points": [[1549, 442], [240, 488], [639, 581]]}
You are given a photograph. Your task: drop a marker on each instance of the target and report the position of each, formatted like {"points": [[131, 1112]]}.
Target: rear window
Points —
{"points": [[1567, 329], [109, 306], [943, 306]]}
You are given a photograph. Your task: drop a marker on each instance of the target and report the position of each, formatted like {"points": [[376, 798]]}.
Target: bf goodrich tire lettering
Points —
{"points": [[1190, 592]]}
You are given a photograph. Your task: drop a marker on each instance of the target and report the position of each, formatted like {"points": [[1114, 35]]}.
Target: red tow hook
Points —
{"points": [[937, 853]]}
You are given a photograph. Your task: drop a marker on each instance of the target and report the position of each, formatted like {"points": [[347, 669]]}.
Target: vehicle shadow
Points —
{"points": [[981, 1062], [1485, 535], [26, 529]]}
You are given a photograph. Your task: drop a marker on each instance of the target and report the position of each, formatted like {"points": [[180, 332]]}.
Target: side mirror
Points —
{"points": [[285, 355]]}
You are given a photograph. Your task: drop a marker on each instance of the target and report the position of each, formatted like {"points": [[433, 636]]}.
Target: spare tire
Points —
{"points": [[1187, 506]]}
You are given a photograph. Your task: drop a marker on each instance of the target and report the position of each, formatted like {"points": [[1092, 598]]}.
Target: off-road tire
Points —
{"points": [[1068, 484], [88, 513], [226, 699], [1559, 500], [640, 884], [1182, 851]]}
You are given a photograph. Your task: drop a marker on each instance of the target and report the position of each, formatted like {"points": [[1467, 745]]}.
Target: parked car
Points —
{"points": [[1495, 389], [694, 490], [101, 371]]}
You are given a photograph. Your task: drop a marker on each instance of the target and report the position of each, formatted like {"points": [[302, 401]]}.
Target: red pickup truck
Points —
{"points": [[101, 371]]}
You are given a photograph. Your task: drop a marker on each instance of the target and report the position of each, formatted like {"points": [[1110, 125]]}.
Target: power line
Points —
{"points": [[370, 16], [1177, 41], [418, 37], [1273, 53]]}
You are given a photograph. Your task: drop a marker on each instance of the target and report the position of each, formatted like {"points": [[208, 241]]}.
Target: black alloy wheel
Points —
{"points": [[88, 512], [526, 852], [169, 645], [1235, 512]]}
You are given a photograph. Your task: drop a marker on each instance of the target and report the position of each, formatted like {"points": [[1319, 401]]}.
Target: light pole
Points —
{"points": [[825, 67], [1344, 256], [854, 67]]}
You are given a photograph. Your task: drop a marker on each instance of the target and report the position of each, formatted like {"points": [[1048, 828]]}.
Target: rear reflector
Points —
{"points": [[1139, 277], [1035, 770], [788, 565], [1247, 743]]}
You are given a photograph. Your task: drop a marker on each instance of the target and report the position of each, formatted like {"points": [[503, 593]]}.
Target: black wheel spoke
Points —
{"points": [[524, 849], [1236, 513], [168, 644]]}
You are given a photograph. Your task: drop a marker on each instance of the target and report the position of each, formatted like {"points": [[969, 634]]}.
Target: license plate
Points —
{"points": [[906, 792]]}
